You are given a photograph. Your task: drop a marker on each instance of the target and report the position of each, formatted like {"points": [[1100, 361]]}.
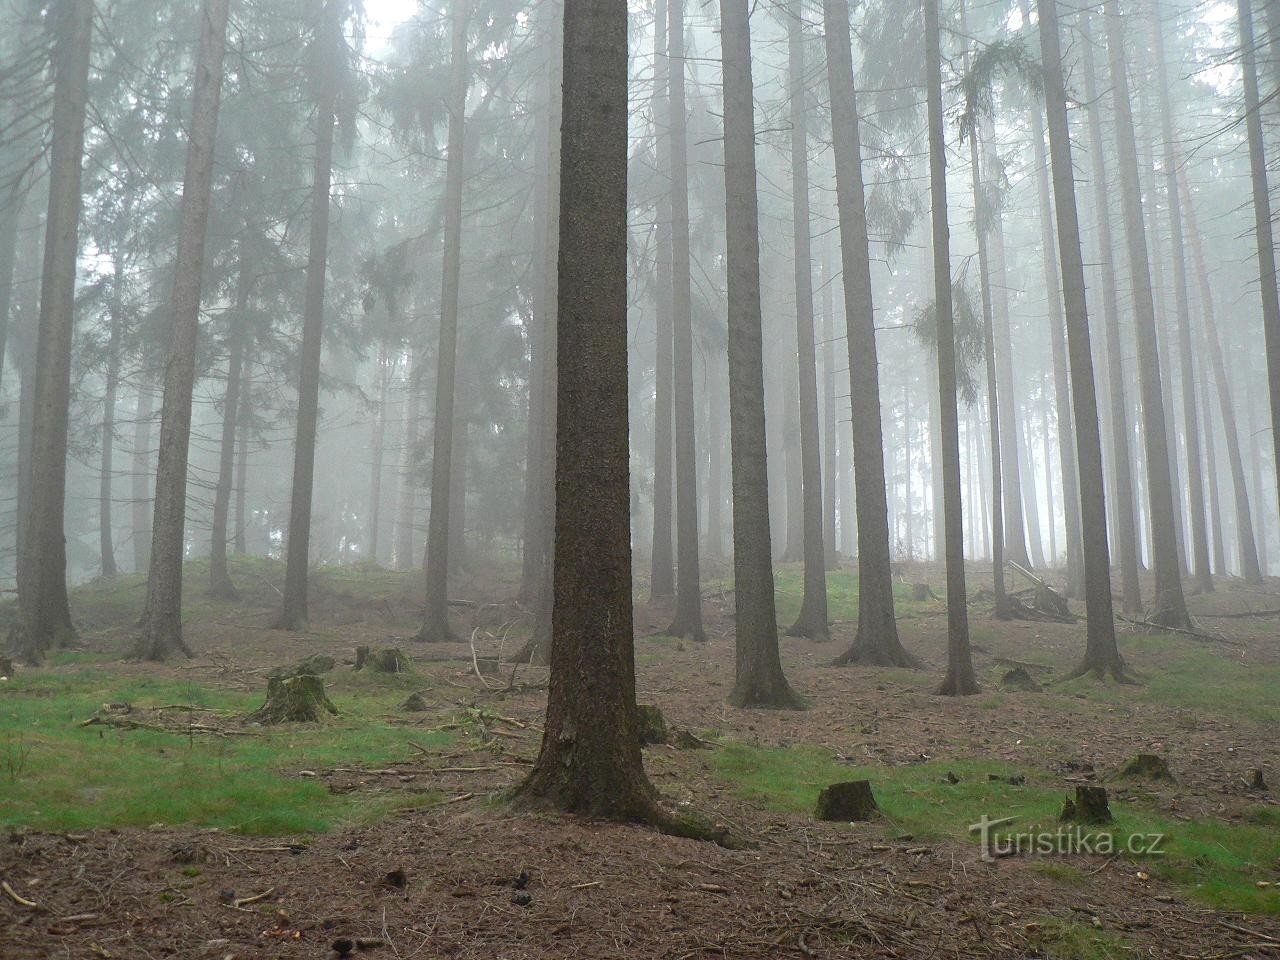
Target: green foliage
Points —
{"points": [[969, 337], [978, 83]]}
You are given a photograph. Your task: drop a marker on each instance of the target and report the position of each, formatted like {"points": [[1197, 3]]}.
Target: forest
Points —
{"points": [[639, 478]]}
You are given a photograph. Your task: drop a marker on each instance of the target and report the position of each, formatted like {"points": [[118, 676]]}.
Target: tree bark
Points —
{"points": [[1262, 223], [590, 759], [812, 620], [106, 474], [140, 470], [759, 680], [242, 474], [293, 613], [1123, 505], [876, 640], [407, 500], [435, 626], [960, 679], [1170, 605], [1102, 656], [220, 585], [44, 614], [830, 423]]}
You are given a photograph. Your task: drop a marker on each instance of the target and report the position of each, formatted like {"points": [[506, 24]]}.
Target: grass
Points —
{"points": [[56, 775], [1219, 863], [842, 594], [1072, 940]]}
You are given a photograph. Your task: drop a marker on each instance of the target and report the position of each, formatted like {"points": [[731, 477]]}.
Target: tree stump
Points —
{"points": [[921, 592], [1257, 782], [6, 667], [651, 725], [1089, 806], [1019, 679], [1048, 601], [415, 703], [847, 802], [1147, 766], [390, 660], [298, 699]]}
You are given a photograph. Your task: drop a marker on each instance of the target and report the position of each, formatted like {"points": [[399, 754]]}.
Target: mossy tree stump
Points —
{"points": [[1089, 806], [299, 699], [1018, 679], [391, 660], [847, 802], [1147, 766], [651, 725]]}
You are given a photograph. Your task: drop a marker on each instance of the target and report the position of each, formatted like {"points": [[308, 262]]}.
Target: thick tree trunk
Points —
{"points": [[960, 679], [1170, 605], [759, 680], [1200, 571], [435, 626], [812, 620], [1102, 656], [1123, 503], [106, 473], [1262, 223], [293, 612], [161, 622], [220, 585], [44, 615], [876, 640], [590, 759], [688, 614], [1250, 567]]}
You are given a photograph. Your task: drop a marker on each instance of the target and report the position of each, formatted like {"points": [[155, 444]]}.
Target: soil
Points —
{"points": [[468, 879]]}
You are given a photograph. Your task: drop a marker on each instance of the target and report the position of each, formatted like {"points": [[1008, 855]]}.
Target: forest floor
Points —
{"points": [[382, 833]]}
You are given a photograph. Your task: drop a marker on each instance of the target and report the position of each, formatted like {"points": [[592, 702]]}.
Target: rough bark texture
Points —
{"points": [[960, 679], [435, 626], [1262, 223], [1121, 460], [220, 584], [876, 641], [44, 615], [1170, 605], [688, 615], [759, 681], [590, 760], [298, 553], [812, 620], [162, 616], [1101, 653]]}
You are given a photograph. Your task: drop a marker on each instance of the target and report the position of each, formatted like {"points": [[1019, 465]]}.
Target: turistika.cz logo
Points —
{"points": [[997, 843]]}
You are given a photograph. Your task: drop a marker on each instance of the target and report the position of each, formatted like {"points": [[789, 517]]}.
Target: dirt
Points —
{"points": [[468, 879]]}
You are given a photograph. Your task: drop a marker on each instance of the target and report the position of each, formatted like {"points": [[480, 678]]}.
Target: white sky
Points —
{"points": [[382, 17]]}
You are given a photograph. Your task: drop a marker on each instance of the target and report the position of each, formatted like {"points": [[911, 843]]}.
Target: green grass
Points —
{"points": [[1218, 862], [56, 775], [1072, 940], [842, 594]]}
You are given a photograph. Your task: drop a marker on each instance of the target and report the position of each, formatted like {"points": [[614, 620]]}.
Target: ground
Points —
{"points": [[171, 828]]}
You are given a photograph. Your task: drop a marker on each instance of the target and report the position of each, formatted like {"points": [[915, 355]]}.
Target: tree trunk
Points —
{"points": [[1030, 486], [715, 456], [220, 585], [830, 423], [1250, 567], [293, 613], [141, 473], [377, 456], [759, 680], [435, 626], [876, 640], [1214, 502], [1123, 504], [106, 475], [908, 469], [590, 759], [406, 501], [162, 616], [812, 620], [1262, 224], [1045, 413], [960, 679], [1200, 570], [1170, 605], [242, 475], [44, 614], [1102, 656]]}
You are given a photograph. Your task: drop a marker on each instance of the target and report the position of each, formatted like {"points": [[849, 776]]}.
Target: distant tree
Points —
{"points": [[960, 679], [44, 614], [759, 678]]}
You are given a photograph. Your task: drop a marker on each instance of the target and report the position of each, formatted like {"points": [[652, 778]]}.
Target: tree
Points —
{"points": [[329, 52], [1101, 653], [435, 626], [590, 762], [759, 680], [1170, 605], [876, 641], [44, 614], [688, 614], [812, 619], [1123, 498], [162, 616], [1262, 220], [960, 679], [107, 474]]}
